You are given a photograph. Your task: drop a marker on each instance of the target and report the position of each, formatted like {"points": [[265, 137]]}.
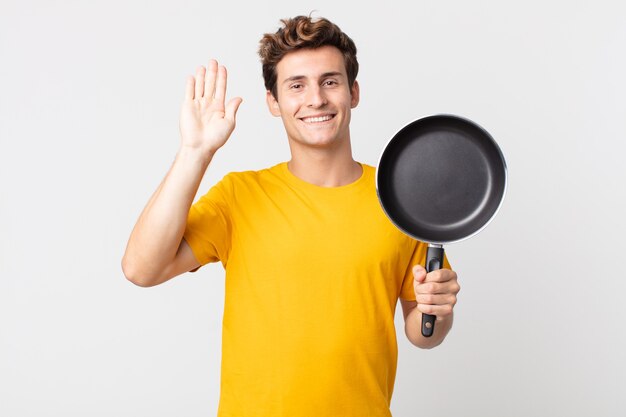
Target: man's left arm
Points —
{"points": [[435, 294]]}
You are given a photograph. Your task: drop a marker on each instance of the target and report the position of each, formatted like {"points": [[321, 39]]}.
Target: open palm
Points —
{"points": [[205, 121]]}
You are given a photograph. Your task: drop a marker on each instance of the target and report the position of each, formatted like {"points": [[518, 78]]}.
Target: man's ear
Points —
{"points": [[355, 93], [272, 104]]}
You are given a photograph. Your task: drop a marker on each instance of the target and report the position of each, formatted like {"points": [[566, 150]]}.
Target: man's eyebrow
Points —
{"points": [[331, 74], [300, 77], [294, 78]]}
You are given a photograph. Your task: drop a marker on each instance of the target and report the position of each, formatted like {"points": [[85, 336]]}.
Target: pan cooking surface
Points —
{"points": [[441, 179]]}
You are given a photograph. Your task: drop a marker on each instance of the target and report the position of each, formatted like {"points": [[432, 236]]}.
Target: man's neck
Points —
{"points": [[325, 167]]}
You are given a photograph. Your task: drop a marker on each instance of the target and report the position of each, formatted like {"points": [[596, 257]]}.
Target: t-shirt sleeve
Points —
{"points": [[419, 257], [209, 225]]}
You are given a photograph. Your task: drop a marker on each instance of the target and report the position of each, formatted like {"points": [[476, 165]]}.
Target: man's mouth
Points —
{"points": [[317, 119]]}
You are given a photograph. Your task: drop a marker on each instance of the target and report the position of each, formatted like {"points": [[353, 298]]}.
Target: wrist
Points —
{"points": [[194, 155]]}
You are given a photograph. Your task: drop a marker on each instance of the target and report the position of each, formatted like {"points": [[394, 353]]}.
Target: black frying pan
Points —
{"points": [[441, 179]]}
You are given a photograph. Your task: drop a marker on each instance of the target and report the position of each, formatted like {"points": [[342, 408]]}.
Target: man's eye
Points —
{"points": [[330, 82], [295, 86]]}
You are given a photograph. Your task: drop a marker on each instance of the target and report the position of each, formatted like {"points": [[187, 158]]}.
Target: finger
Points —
{"points": [[419, 273], [209, 84], [450, 287], [429, 288], [189, 86], [435, 299], [199, 82], [220, 85], [440, 275], [436, 310], [231, 108]]}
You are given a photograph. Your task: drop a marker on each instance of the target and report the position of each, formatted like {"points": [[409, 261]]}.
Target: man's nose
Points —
{"points": [[316, 97]]}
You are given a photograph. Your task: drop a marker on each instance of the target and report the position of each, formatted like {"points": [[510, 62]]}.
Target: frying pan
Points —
{"points": [[441, 179]]}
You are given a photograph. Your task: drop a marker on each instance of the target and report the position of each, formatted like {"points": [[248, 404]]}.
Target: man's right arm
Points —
{"points": [[156, 250]]}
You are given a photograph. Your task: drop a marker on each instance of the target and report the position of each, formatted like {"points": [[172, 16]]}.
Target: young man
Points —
{"points": [[314, 268]]}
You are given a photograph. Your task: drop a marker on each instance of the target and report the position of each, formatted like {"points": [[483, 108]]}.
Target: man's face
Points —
{"points": [[314, 99]]}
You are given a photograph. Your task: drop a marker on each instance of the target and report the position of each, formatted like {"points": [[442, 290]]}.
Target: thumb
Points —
{"points": [[419, 273], [231, 107]]}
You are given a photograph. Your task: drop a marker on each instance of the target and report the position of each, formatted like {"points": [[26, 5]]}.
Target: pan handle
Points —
{"points": [[434, 261]]}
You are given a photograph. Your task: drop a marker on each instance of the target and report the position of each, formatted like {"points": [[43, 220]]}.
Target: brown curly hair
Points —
{"points": [[303, 32]]}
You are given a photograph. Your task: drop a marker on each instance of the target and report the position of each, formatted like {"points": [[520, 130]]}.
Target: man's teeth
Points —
{"points": [[317, 119]]}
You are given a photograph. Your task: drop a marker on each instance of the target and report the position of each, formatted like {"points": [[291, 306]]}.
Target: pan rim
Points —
{"points": [[504, 190]]}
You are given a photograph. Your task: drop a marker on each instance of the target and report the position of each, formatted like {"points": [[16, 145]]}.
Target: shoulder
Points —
{"points": [[369, 175], [252, 176], [242, 181], [368, 169]]}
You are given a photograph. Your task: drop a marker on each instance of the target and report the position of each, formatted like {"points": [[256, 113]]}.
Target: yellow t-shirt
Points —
{"points": [[313, 275]]}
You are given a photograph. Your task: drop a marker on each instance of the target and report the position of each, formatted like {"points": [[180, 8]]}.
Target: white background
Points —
{"points": [[90, 93]]}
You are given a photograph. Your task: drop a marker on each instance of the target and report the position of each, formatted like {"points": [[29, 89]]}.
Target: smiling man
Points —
{"points": [[314, 269]]}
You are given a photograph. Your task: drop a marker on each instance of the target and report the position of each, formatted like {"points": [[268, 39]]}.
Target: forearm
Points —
{"points": [[158, 232], [413, 329]]}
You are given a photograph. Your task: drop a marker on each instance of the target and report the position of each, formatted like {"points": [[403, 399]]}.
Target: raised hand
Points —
{"points": [[206, 122]]}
